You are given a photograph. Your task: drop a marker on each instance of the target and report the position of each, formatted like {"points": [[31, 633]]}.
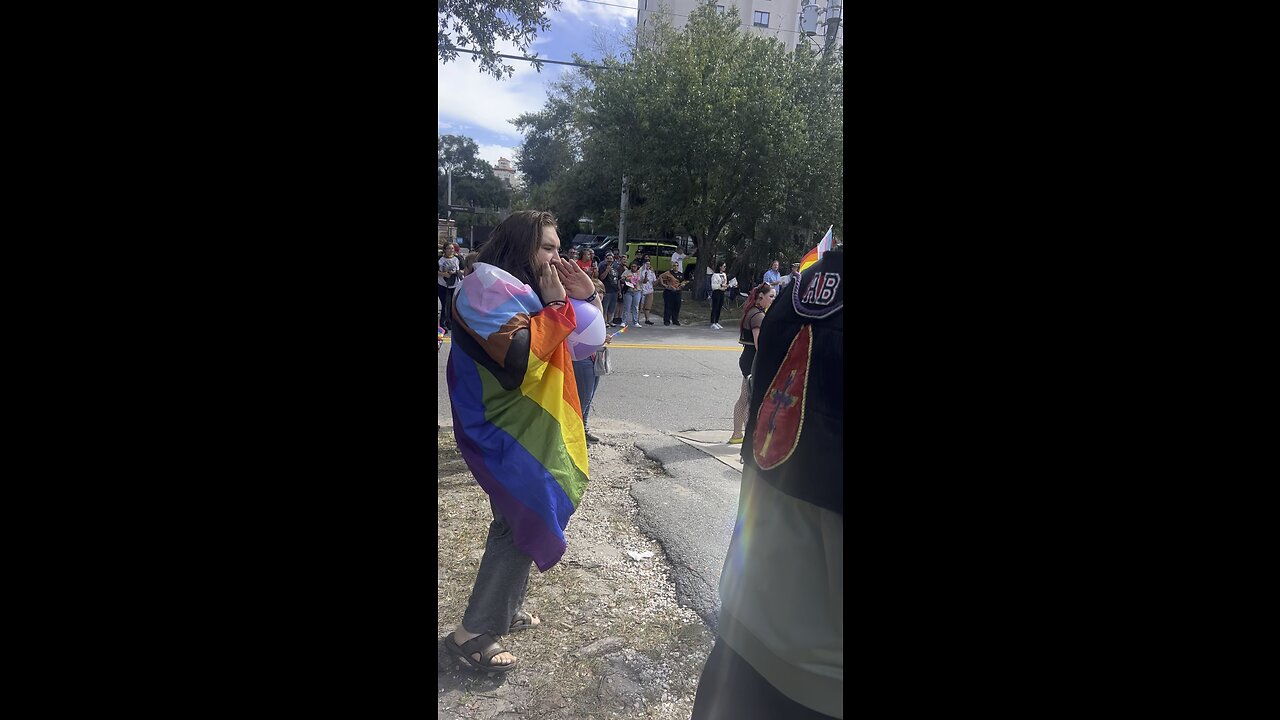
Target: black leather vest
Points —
{"points": [[799, 411]]}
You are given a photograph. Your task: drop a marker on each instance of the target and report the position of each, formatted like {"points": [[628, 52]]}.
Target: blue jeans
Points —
{"points": [[445, 294], [584, 372], [610, 305], [631, 307]]}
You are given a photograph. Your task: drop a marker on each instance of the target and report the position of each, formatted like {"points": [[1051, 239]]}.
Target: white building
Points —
{"points": [[507, 174], [770, 18]]}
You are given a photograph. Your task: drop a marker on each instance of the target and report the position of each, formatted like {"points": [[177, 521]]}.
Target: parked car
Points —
{"points": [[591, 242], [610, 243], [599, 244], [659, 253]]}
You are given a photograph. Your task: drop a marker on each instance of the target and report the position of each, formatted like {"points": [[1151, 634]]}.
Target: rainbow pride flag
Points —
{"points": [[516, 415], [812, 256]]}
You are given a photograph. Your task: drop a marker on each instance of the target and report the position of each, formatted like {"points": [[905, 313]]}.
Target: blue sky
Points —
{"points": [[478, 106]]}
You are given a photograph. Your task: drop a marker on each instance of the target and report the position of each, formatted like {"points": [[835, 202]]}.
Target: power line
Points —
{"points": [[535, 60]]}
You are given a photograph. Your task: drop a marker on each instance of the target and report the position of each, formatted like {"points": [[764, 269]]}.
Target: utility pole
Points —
{"points": [[809, 12], [449, 196], [835, 9], [622, 220]]}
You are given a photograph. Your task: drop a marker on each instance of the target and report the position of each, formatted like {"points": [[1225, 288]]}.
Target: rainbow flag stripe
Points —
{"points": [[812, 256], [515, 406]]}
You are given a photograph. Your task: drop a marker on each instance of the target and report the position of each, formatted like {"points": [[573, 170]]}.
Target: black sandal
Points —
{"points": [[485, 645], [523, 621]]}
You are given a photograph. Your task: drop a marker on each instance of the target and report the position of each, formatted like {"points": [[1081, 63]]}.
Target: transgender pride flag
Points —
{"points": [[812, 256], [515, 406]]}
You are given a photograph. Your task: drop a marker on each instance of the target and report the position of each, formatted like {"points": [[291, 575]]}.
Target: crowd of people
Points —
{"points": [[625, 292], [530, 325], [627, 289], [629, 286]]}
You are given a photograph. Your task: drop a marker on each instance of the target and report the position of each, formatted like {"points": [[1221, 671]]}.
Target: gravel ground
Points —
{"points": [[614, 642]]}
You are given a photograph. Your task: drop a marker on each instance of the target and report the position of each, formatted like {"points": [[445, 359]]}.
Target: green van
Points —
{"points": [[659, 253]]}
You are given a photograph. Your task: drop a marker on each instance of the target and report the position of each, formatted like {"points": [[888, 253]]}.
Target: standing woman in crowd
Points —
{"points": [[610, 277], [584, 371], [749, 335], [719, 279], [447, 278], [510, 375], [647, 279], [631, 295]]}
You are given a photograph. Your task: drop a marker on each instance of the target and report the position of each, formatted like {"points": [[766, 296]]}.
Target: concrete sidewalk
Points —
{"points": [[714, 443]]}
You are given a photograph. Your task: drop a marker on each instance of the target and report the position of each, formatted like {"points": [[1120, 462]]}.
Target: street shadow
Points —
{"points": [[453, 674]]}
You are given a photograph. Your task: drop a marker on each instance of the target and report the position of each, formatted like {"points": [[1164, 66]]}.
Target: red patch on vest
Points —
{"points": [[781, 414]]}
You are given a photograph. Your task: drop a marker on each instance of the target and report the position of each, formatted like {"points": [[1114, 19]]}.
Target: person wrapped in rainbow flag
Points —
{"points": [[520, 319]]}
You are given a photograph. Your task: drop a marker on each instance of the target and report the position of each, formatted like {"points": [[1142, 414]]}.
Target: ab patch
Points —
{"points": [[781, 414], [818, 295]]}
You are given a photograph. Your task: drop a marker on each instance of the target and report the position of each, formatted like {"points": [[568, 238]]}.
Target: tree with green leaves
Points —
{"points": [[474, 183], [724, 134], [550, 146], [478, 25], [550, 159], [460, 154]]}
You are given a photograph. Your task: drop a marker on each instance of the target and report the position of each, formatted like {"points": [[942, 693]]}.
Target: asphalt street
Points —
{"points": [[672, 380], [691, 512]]}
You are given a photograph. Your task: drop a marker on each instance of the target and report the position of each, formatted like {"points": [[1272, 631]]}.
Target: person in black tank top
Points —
{"points": [[748, 334]]}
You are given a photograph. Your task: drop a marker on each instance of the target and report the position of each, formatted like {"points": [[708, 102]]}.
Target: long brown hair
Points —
{"points": [[513, 245], [756, 292]]}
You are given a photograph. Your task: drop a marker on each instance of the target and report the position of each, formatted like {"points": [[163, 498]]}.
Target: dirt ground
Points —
{"points": [[614, 643]]}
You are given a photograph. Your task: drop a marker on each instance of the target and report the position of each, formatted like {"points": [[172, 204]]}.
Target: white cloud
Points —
{"points": [[491, 153], [604, 15], [465, 97], [471, 103]]}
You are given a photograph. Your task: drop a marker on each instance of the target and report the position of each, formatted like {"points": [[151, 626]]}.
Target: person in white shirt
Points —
{"points": [[719, 283], [795, 275], [677, 261], [647, 279], [446, 278]]}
